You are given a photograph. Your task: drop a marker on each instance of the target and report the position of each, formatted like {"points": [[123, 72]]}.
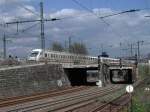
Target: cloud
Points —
{"points": [[19, 51], [87, 27], [2, 2], [25, 40], [84, 27]]}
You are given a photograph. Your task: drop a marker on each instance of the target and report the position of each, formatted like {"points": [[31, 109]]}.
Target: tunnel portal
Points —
{"points": [[79, 76]]}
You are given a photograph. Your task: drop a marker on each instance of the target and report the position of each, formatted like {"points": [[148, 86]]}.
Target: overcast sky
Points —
{"points": [[78, 23]]}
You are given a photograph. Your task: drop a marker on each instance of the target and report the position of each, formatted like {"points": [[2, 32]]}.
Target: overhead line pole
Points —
{"points": [[41, 20], [69, 43], [138, 45], [42, 27], [131, 49], [4, 46]]}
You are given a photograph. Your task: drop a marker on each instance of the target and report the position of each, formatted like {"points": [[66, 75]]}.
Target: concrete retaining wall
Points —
{"points": [[25, 80]]}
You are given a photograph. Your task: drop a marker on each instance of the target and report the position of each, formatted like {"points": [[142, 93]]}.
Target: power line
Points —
{"points": [[24, 31], [123, 12], [41, 20], [28, 28], [27, 9], [102, 18], [89, 10], [84, 7]]}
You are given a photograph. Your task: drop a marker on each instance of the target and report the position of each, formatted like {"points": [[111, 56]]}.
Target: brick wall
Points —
{"points": [[25, 80]]}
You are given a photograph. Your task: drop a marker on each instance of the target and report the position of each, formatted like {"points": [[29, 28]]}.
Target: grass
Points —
{"points": [[143, 70], [141, 97]]}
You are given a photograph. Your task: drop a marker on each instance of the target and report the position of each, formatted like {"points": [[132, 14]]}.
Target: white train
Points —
{"points": [[65, 57]]}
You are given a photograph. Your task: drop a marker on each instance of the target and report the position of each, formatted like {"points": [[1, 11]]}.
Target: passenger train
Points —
{"points": [[65, 57]]}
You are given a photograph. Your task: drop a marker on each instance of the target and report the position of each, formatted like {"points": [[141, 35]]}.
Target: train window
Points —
{"points": [[121, 75]]}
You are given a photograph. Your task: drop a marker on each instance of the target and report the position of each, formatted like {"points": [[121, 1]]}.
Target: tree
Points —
{"points": [[78, 48], [56, 46]]}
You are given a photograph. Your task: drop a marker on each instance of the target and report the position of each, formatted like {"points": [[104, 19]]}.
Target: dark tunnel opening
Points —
{"points": [[78, 77]]}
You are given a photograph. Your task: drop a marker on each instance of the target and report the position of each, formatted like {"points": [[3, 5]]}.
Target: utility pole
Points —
{"points": [[102, 48], [131, 49], [120, 44], [42, 27], [69, 43], [41, 20], [138, 45], [4, 46], [66, 46]]}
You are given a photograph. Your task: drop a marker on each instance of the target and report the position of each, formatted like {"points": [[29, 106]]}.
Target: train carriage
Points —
{"points": [[65, 57]]}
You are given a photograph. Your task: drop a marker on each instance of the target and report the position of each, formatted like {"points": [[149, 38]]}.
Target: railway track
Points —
{"points": [[23, 99], [110, 103], [64, 102], [119, 103], [99, 101], [91, 99]]}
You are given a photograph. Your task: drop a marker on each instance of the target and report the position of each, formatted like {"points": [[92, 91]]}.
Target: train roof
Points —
{"points": [[67, 53], [37, 50]]}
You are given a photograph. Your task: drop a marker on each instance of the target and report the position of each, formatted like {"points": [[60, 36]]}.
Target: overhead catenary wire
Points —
{"points": [[28, 28], [123, 12], [89, 10], [27, 9], [24, 31], [102, 17]]}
